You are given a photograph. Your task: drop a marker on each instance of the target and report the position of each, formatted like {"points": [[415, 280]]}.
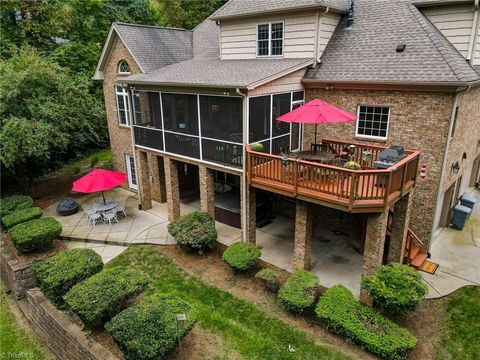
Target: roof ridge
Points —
{"points": [[417, 13], [151, 26]]}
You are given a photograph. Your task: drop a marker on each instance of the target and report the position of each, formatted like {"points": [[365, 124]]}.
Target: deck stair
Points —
{"points": [[414, 256]]}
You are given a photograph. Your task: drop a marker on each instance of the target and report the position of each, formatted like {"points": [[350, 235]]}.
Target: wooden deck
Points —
{"points": [[368, 190]]}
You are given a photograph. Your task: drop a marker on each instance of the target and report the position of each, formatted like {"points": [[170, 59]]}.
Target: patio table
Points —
{"points": [[319, 156], [109, 205]]}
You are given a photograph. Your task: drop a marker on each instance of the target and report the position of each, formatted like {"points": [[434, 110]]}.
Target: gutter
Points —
{"points": [[416, 83], [474, 33], [317, 35], [244, 153]]}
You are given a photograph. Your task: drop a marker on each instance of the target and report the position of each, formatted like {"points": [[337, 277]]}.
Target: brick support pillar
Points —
{"points": [[248, 220], [303, 235], [401, 219], [374, 245], [143, 180], [172, 189], [207, 190], [157, 174]]}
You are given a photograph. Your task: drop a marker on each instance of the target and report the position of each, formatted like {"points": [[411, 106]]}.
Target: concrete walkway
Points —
{"points": [[107, 252], [458, 253]]}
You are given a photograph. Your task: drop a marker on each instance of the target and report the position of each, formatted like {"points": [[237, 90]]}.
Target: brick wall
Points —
{"points": [[64, 338], [16, 276], [418, 121]]}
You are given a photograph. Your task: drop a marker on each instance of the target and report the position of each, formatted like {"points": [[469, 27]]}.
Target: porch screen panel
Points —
{"points": [[259, 118], [221, 118], [182, 145], [147, 109], [148, 137], [222, 152], [280, 106], [180, 113]]}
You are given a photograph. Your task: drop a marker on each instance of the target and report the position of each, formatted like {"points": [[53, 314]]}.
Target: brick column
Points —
{"points": [[250, 221], [157, 173], [401, 219], [143, 180], [172, 189], [207, 190], [374, 244], [303, 235]]}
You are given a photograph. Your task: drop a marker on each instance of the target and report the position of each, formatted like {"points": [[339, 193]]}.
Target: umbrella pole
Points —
{"points": [[103, 195], [315, 141]]}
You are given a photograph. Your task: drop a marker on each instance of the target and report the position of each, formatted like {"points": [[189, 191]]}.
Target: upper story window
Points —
{"points": [[270, 39], [122, 106], [373, 121], [123, 67]]}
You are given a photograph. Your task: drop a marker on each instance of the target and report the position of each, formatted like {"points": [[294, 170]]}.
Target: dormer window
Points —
{"points": [[123, 67], [270, 39]]}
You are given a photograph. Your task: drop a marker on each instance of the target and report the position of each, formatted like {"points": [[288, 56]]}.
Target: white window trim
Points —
{"points": [[124, 94], [270, 39], [372, 136], [123, 72], [131, 185]]}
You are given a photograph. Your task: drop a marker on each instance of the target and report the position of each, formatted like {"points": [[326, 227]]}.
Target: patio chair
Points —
{"points": [[120, 208], [109, 216], [92, 216]]}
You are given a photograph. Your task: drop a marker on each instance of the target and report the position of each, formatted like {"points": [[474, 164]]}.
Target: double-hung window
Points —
{"points": [[122, 106], [373, 121], [270, 39]]}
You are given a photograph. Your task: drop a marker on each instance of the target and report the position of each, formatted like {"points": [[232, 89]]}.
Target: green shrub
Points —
{"points": [[396, 288], [100, 297], [242, 256], [298, 293], [269, 278], [194, 232], [13, 203], [76, 170], [21, 216], [148, 330], [352, 165], [343, 314], [256, 147], [56, 275], [94, 161], [35, 235], [108, 164]]}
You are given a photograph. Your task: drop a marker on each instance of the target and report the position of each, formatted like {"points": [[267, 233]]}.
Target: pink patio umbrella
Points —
{"points": [[99, 180], [317, 112]]}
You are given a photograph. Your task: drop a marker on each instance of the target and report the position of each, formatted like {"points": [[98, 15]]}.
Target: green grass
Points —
{"points": [[14, 340], [461, 327], [243, 327]]}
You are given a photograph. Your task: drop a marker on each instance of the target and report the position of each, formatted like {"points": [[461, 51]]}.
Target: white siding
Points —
{"points": [[238, 37], [455, 22], [476, 55], [286, 83]]}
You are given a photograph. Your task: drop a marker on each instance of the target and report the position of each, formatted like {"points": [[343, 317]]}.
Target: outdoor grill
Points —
{"points": [[390, 156]]}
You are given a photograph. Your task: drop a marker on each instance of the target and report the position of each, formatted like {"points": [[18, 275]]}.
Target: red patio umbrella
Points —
{"points": [[99, 180], [317, 112]]}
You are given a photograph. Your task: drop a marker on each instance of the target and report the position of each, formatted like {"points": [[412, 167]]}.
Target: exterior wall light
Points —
{"points": [[455, 167]]}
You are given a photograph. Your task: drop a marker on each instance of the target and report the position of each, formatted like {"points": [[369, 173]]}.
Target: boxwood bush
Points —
{"points": [[100, 297], [396, 288], [194, 232], [21, 216], [343, 314], [13, 203], [242, 256], [299, 291], [35, 235], [148, 330], [56, 275], [269, 278]]}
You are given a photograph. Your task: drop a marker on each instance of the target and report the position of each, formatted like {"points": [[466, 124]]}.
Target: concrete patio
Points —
{"points": [[107, 252], [458, 253]]}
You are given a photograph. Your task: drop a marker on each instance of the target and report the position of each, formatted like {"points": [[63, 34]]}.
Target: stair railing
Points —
{"points": [[411, 238]]}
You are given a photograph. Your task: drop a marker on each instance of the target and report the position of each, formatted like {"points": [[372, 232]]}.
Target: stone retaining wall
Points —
{"points": [[64, 338], [17, 276]]}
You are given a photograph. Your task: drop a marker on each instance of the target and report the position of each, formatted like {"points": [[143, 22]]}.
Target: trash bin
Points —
{"points": [[467, 201], [460, 216]]}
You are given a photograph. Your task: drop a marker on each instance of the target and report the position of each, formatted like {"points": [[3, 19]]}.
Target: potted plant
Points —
{"points": [[352, 165], [256, 147]]}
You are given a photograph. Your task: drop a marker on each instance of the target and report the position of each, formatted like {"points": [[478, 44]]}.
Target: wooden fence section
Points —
{"points": [[351, 190]]}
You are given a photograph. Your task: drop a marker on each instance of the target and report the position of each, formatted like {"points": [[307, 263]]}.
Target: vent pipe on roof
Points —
{"points": [[350, 16]]}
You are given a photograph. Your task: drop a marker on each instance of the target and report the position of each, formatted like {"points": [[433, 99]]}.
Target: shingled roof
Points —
{"points": [[240, 8], [366, 52]]}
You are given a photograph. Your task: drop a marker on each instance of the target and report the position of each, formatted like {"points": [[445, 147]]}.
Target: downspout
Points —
{"points": [[132, 135], [317, 36], [473, 35], [244, 165]]}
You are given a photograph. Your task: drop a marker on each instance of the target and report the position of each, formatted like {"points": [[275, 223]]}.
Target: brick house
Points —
{"points": [[182, 106]]}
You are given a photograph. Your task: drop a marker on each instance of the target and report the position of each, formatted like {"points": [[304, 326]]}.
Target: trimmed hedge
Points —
{"points": [[396, 288], [35, 235], [21, 216], [194, 232], [242, 256], [343, 314], [100, 297], [148, 330], [13, 203], [269, 278], [56, 275], [298, 293]]}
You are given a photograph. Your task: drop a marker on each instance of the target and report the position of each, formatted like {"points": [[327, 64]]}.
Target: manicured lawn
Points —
{"points": [[242, 326], [14, 340], [461, 327]]}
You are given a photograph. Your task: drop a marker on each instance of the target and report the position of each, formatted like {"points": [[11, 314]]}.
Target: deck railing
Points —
{"points": [[352, 189]]}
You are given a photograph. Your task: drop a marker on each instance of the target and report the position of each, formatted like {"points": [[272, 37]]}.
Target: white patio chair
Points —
{"points": [[109, 216], [120, 208], [92, 216]]}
